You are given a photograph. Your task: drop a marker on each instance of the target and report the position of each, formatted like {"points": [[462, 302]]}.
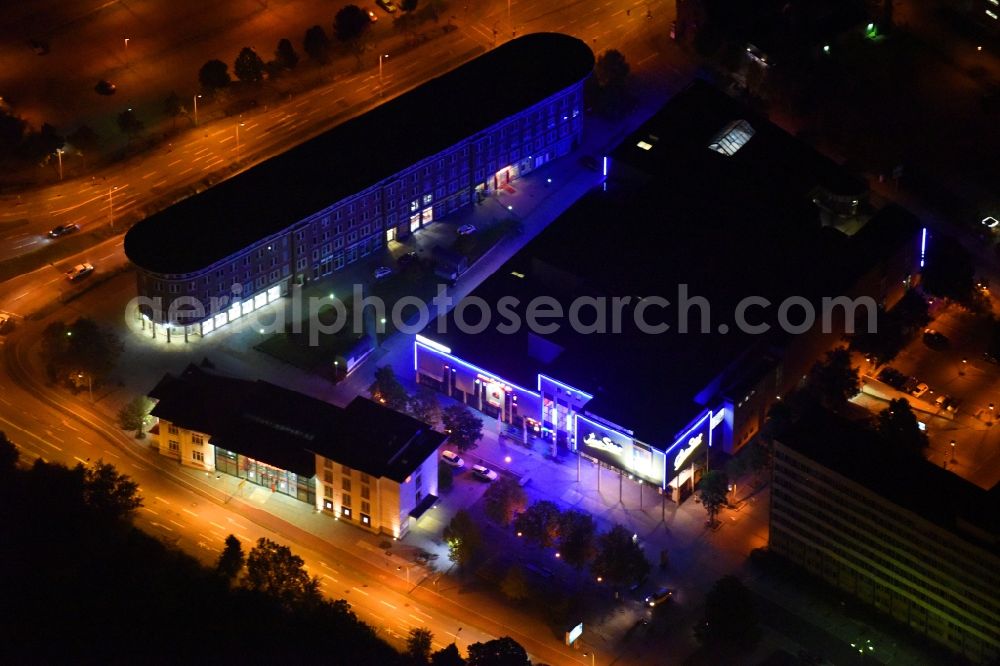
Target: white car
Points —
{"points": [[79, 271], [453, 459], [466, 229], [382, 272], [919, 390], [483, 473]]}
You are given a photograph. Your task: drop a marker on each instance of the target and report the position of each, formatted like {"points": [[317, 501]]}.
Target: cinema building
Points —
{"points": [[704, 205], [901, 534], [365, 464], [342, 196]]}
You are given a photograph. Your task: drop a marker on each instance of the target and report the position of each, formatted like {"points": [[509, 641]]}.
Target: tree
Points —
{"points": [[285, 55], [9, 455], [80, 353], [41, 145], [619, 560], [712, 491], [84, 139], [463, 427], [387, 389], [503, 651], [899, 427], [108, 493], [231, 559], [424, 406], [539, 523], [834, 380], [214, 75], [463, 538], [350, 24], [418, 644], [514, 585], [577, 533], [730, 614], [173, 106], [503, 500], [408, 5], [446, 477], [317, 45], [129, 123], [447, 656], [611, 69], [949, 271], [134, 415], [274, 570], [249, 68], [13, 129]]}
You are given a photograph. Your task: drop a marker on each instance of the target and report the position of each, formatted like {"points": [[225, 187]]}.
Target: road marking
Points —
{"points": [[151, 173], [112, 453], [175, 162], [157, 497], [180, 525], [83, 440], [205, 537], [169, 529], [189, 511], [242, 527], [427, 615], [386, 603], [243, 536], [185, 171], [418, 619], [161, 182], [358, 589], [67, 424], [146, 508], [324, 564], [82, 461], [139, 467], [331, 578]]}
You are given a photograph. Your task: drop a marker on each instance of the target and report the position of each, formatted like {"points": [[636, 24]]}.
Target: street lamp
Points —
{"points": [[126, 51], [238, 125], [111, 206], [196, 98], [380, 58], [59, 154], [953, 460]]}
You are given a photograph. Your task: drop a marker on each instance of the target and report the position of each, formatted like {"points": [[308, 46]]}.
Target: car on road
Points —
{"points": [[79, 271], [372, 16], [946, 402], [892, 377], [407, 259], [382, 272], [935, 339], [660, 596], [387, 5], [483, 473], [63, 229], [452, 459], [105, 87], [5, 323], [466, 229], [919, 390]]}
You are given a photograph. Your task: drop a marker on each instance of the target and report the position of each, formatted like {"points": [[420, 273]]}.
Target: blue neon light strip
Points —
{"points": [[565, 386], [923, 246], [707, 414], [472, 367], [604, 167]]}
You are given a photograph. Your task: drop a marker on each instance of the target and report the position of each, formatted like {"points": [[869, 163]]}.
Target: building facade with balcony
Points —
{"points": [[903, 535], [364, 463], [336, 199]]}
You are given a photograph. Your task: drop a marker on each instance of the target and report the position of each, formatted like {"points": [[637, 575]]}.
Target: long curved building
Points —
{"points": [[341, 196]]}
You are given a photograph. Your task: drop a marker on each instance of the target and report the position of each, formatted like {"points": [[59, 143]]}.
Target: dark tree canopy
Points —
{"points": [[539, 523], [109, 493], [214, 75], [834, 379], [231, 559], [425, 406], [84, 139], [134, 415], [274, 570], [285, 54], [514, 585], [577, 535], [949, 271], [899, 427], [447, 656], [418, 644], [730, 614], [712, 491], [619, 560], [249, 68], [317, 45], [611, 69], [504, 499], [80, 350], [41, 145], [9, 455], [463, 538], [408, 5], [387, 389], [172, 105], [464, 428], [129, 123], [504, 651], [350, 23]]}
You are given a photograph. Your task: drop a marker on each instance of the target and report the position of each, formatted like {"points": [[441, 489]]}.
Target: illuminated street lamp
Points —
{"points": [[111, 206], [953, 460], [380, 58], [238, 126], [126, 51], [196, 98], [59, 154]]}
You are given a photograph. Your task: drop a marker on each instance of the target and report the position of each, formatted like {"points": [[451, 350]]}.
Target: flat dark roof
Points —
{"points": [[678, 214], [286, 429], [289, 187], [913, 483]]}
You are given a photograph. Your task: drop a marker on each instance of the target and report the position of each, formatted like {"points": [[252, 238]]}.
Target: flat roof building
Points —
{"points": [[337, 198], [900, 533], [364, 463], [704, 206]]}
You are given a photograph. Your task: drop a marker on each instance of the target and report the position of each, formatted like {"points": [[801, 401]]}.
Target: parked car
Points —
{"points": [[62, 230], [660, 596], [105, 87], [466, 229], [935, 339], [452, 459], [407, 259], [946, 402], [893, 378], [483, 473], [919, 390], [387, 5], [382, 272], [372, 16], [79, 271]]}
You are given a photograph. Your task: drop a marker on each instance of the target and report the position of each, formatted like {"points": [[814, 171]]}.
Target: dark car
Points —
{"points": [[105, 87], [893, 378], [660, 596], [407, 259], [935, 339], [62, 230], [387, 5]]}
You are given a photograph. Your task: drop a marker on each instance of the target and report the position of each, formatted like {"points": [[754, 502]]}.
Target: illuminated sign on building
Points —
{"points": [[603, 443], [685, 453]]}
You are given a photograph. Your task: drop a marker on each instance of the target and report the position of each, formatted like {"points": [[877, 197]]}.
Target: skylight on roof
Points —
{"points": [[644, 145], [732, 137]]}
